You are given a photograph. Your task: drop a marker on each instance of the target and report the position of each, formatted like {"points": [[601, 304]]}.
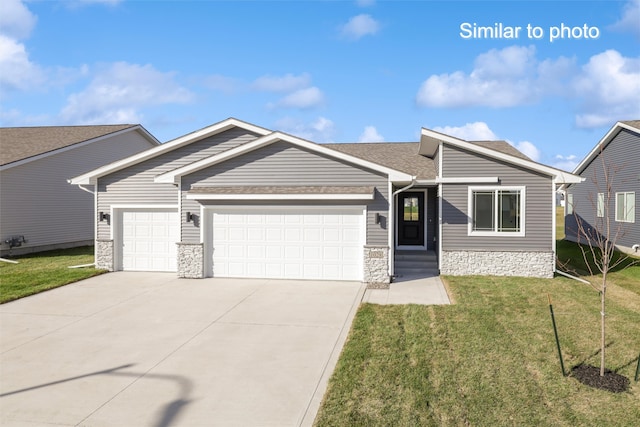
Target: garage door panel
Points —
{"points": [[149, 240], [288, 243]]}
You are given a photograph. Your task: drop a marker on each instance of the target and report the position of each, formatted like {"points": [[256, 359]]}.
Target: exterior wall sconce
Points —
{"points": [[103, 216], [377, 217], [190, 217]]}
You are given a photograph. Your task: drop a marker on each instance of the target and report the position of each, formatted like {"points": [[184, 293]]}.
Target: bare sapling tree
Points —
{"points": [[601, 236]]}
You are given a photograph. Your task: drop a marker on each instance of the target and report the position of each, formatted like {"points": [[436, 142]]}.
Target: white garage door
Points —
{"points": [[291, 243], [149, 240]]}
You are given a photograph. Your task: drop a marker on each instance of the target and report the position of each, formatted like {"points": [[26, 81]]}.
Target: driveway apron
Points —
{"points": [[149, 349]]}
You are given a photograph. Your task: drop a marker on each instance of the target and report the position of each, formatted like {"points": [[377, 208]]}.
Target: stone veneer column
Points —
{"points": [[522, 264], [104, 255], [376, 267], [191, 260]]}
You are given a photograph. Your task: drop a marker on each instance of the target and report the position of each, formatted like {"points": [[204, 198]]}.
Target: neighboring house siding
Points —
{"points": [[455, 209], [135, 185], [283, 164], [37, 201], [623, 155]]}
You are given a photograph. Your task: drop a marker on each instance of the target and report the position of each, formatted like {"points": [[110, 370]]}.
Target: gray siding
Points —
{"points": [[623, 155], [134, 185], [538, 205], [284, 164], [37, 201]]}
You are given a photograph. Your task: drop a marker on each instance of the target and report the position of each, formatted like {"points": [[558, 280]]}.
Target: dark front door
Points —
{"points": [[411, 219]]}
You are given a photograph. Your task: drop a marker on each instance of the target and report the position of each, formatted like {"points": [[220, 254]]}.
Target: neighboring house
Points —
{"points": [[39, 210], [617, 153], [243, 201]]}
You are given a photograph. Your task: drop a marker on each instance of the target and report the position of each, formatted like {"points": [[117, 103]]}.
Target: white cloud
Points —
{"points": [[320, 130], [119, 91], [16, 21], [370, 134], [528, 149], [500, 78], [630, 20], [608, 89], [476, 131], [567, 163], [360, 26], [18, 72], [286, 83], [304, 99]]}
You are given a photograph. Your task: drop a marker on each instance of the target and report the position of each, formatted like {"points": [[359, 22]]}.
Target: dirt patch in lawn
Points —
{"points": [[590, 375]]}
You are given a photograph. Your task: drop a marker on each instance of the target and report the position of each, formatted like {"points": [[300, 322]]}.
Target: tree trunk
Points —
{"points": [[602, 321]]}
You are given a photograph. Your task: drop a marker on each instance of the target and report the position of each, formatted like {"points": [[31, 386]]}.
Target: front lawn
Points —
{"points": [[488, 360], [42, 271]]}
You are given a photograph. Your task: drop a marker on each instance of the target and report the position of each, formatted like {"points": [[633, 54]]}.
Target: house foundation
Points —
{"points": [[522, 264], [191, 260], [376, 267]]}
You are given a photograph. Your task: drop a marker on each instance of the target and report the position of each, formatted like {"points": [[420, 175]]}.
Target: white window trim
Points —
{"points": [[628, 212], [569, 204], [600, 205], [471, 232]]}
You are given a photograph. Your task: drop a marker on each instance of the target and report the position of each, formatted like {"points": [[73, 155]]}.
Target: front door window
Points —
{"points": [[411, 219]]}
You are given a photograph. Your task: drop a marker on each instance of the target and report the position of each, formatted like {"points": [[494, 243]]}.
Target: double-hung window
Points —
{"points": [[626, 207], [496, 211]]}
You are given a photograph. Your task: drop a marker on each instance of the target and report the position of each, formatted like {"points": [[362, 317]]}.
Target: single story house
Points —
{"points": [[610, 190], [244, 201], [38, 209]]}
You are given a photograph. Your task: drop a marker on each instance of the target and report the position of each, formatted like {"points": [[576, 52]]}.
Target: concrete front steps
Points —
{"points": [[415, 264]]}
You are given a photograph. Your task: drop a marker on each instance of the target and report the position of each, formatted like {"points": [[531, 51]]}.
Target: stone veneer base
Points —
{"points": [[485, 263], [104, 255], [191, 260], [376, 267]]}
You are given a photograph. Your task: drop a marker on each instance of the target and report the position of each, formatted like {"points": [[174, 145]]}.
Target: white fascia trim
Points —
{"points": [[601, 145], [246, 197], [172, 176], [142, 130], [562, 177], [132, 206], [91, 177], [470, 180]]}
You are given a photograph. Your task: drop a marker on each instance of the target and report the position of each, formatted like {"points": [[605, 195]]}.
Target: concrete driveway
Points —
{"points": [[149, 349]]}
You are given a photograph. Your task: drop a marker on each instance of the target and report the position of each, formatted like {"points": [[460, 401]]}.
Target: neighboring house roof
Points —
{"points": [[632, 125], [22, 143]]}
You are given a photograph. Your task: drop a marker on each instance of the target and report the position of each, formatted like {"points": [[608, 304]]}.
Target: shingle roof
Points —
{"points": [[404, 157], [502, 147], [632, 123], [283, 190], [19, 143], [400, 156]]}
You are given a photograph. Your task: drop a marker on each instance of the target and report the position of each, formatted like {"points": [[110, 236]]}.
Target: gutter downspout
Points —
{"points": [[392, 249]]}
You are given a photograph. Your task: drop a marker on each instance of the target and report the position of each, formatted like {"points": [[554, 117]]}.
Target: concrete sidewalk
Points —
{"points": [[410, 290], [149, 349]]}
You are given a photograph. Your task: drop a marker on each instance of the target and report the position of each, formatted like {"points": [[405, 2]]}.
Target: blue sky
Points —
{"points": [[329, 71]]}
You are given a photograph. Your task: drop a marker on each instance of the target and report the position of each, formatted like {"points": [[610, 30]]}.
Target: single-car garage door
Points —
{"points": [[288, 243], [149, 238]]}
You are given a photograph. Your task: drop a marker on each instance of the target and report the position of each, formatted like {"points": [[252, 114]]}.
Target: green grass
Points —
{"points": [[45, 270], [488, 360]]}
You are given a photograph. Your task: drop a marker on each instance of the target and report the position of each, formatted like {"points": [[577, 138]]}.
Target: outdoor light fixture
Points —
{"points": [[377, 218], [189, 217], [103, 216]]}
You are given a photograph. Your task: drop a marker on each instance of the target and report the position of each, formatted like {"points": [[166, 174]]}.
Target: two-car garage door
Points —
{"points": [[288, 243], [258, 242]]}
